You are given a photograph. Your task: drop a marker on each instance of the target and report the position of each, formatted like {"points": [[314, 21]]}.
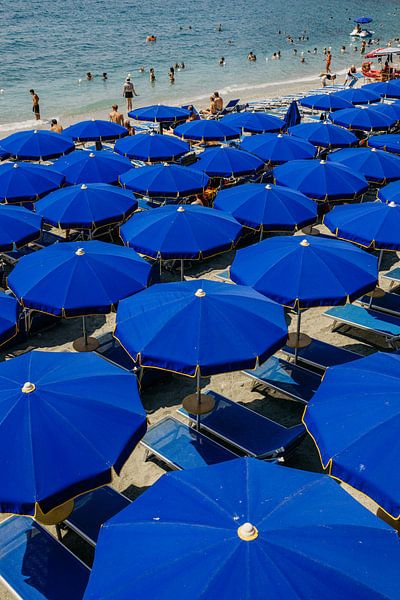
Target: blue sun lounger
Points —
{"points": [[36, 566], [393, 276], [181, 447], [293, 381], [321, 355], [248, 431], [389, 303], [224, 276], [93, 509], [366, 319]]}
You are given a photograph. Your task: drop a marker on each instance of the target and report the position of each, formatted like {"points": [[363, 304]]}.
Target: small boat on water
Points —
{"points": [[358, 31]]}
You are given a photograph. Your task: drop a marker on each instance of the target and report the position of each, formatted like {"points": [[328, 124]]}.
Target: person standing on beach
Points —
{"points": [[328, 61], [35, 104], [218, 102], [115, 116], [128, 91], [55, 126]]}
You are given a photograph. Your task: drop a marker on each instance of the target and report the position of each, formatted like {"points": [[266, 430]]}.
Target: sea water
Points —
{"points": [[50, 45]]}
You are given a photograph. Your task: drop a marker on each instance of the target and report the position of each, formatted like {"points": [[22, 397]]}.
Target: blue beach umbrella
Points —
{"points": [[304, 271], [66, 422], [321, 180], [360, 95], [95, 130], [390, 193], [387, 141], [78, 279], [165, 181], [253, 122], [353, 419], [183, 232], [245, 517], [22, 182], [391, 110], [86, 206], [228, 162], [9, 313], [375, 165], [374, 225], [200, 327], [151, 147], [324, 135], [362, 119], [267, 207], [363, 20], [206, 130], [160, 113], [325, 102], [386, 89], [278, 148], [18, 226], [37, 144], [92, 167]]}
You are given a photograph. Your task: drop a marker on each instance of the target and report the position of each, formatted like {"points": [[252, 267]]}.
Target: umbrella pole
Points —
{"points": [[198, 398], [380, 259], [296, 350], [181, 269], [85, 335], [198, 404], [160, 266], [261, 233], [85, 343]]}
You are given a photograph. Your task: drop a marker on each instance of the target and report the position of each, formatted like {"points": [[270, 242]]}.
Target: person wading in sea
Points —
{"points": [[128, 91], [35, 104]]}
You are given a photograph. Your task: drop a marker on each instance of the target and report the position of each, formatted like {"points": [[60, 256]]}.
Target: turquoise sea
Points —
{"points": [[51, 45]]}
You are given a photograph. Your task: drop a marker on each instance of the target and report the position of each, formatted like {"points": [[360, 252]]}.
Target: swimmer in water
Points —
{"points": [[222, 61], [104, 76], [141, 69], [35, 104], [171, 76], [152, 75], [115, 116], [55, 126], [219, 27], [89, 76], [251, 57]]}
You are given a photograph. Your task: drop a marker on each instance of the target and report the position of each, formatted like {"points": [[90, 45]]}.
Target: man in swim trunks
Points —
{"points": [[128, 91], [35, 104], [115, 116], [55, 126]]}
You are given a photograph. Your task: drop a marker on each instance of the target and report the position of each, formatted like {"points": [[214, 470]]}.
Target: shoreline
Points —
{"points": [[246, 94]]}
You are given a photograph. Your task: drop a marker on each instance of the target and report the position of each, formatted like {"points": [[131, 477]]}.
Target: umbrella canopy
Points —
{"points": [[228, 162], [165, 181], [92, 167], [353, 418], [181, 232], [200, 326], [386, 89], [324, 134], [95, 130], [387, 141], [304, 271], [206, 130], [325, 102], [253, 122], [278, 148], [362, 119], [37, 144], [66, 420], [9, 313], [160, 113], [151, 147], [22, 182], [375, 165], [390, 193], [390, 110], [363, 20], [86, 206], [18, 226], [267, 207], [321, 180], [292, 116], [371, 224], [78, 278], [360, 95], [260, 527]]}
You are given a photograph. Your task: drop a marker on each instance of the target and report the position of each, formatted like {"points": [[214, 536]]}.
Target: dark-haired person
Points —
{"points": [[35, 104]]}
